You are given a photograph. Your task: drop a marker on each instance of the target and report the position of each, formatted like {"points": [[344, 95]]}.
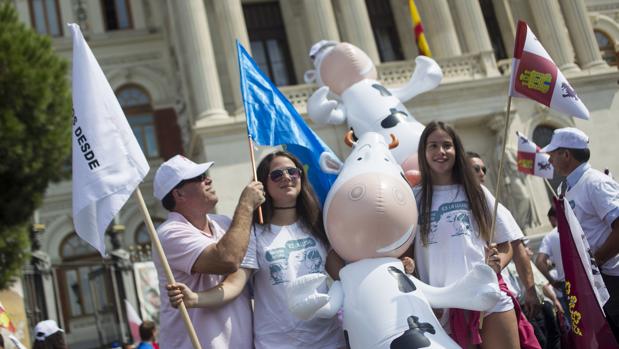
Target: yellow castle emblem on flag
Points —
{"points": [[536, 80]]}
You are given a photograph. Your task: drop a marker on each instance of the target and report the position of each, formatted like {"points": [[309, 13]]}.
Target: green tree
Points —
{"points": [[35, 127]]}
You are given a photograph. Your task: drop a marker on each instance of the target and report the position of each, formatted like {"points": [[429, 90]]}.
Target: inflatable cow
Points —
{"points": [[370, 217], [360, 100]]}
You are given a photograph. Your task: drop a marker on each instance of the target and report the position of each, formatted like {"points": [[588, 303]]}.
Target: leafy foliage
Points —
{"points": [[35, 127]]}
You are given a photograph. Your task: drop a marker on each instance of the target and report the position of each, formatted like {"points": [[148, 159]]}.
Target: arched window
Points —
{"points": [[141, 233], [607, 47], [137, 107], [541, 136]]}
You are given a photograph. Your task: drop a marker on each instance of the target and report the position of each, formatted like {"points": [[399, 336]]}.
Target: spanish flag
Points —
{"points": [[420, 37]]}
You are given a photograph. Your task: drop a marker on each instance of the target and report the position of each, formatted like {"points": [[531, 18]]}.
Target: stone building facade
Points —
{"points": [[173, 67]]}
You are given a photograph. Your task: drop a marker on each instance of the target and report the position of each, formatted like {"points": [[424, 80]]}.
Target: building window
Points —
{"points": [[269, 45], [117, 14], [385, 31], [45, 16], [494, 31], [139, 112], [82, 278], [607, 47], [541, 136]]}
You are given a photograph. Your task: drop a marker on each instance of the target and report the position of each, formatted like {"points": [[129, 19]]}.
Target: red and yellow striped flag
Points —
{"points": [[420, 37]]}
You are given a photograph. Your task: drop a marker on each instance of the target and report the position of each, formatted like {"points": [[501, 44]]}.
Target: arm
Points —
{"points": [[541, 262], [226, 255], [334, 264], [523, 266], [550, 293], [610, 247], [505, 253], [226, 291]]}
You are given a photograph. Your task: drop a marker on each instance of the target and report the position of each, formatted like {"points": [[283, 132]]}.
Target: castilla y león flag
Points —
{"points": [[536, 76], [531, 160]]}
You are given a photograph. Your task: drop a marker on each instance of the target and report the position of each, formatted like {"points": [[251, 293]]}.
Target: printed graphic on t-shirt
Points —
{"points": [[455, 213], [301, 255]]}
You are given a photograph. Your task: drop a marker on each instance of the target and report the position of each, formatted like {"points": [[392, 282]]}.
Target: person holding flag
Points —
{"points": [[201, 249], [594, 197]]}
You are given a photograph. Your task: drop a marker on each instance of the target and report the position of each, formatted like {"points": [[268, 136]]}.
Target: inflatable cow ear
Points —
{"points": [[309, 76], [330, 164]]}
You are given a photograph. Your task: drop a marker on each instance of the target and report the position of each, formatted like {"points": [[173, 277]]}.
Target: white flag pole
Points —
{"points": [[154, 238]]}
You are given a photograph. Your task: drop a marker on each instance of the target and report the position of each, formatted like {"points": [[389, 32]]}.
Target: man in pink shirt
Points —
{"points": [[201, 250]]}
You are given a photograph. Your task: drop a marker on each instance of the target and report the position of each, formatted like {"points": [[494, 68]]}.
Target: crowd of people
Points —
{"points": [[221, 264]]}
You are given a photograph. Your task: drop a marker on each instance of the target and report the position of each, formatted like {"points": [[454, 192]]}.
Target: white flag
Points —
{"points": [[108, 163], [535, 75]]}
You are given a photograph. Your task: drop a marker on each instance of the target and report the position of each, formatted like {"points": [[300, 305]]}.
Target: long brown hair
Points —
{"points": [[307, 206], [462, 174]]}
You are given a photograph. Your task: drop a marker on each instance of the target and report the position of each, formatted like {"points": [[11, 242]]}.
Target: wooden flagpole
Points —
{"points": [[497, 192], [154, 238], [253, 167]]}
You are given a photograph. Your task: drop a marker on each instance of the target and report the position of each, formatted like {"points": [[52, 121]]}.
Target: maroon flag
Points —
{"points": [[584, 288]]}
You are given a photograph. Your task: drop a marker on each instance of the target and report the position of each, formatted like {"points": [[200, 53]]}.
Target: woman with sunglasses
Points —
{"points": [[291, 243]]}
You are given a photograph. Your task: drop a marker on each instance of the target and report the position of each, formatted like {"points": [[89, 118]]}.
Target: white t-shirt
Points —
{"points": [[592, 198], [281, 254], [228, 326], [551, 246], [454, 244]]}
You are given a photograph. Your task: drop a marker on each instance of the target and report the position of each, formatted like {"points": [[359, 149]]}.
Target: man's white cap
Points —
{"points": [[175, 170], [567, 137], [45, 329]]}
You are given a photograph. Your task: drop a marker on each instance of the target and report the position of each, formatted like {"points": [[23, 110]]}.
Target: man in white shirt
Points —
{"points": [[594, 197], [202, 249]]}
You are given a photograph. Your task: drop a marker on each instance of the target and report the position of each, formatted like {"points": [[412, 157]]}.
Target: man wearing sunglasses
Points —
{"points": [[594, 196], [202, 249], [522, 261]]}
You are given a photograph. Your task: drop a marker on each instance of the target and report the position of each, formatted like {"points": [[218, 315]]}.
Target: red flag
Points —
{"points": [[531, 160], [536, 76], [585, 290]]}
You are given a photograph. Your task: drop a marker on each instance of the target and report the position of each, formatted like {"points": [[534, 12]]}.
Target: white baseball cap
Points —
{"points": [[567, 137], [175, 170], [45, 329]]}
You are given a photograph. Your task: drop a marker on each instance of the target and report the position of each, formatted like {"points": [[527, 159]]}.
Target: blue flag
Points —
{"points": [[272, 120]]}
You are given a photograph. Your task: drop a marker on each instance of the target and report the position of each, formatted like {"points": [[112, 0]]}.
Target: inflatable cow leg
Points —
{"points": [[427, 76], [477, 290], [306, 303]]}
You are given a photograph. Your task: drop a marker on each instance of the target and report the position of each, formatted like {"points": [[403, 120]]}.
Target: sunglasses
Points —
{"points": [[277, 175], [200, 178], [478, 168]]}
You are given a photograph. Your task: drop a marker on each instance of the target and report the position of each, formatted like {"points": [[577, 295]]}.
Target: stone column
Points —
{"points": [[471, 21], [320, 20], [356, 27], [580, 29], [195, 51], [232, 24], [552, 33], [439, 28]]}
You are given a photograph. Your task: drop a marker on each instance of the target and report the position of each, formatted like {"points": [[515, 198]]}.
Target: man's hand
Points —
{"points": [[252, 195], [532, 305], [179, 293]]}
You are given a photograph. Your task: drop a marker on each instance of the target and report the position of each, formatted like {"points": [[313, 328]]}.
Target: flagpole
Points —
{"points": [[253, 167], [497, 192], [154, 238], [554, 193]]}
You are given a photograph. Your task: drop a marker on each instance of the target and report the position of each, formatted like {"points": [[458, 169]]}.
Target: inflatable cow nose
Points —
{"points": [[370, 210]]}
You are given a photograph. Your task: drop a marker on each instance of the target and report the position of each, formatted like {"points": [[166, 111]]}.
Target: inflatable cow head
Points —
{"points": [[361, 101], [370, 210]]}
